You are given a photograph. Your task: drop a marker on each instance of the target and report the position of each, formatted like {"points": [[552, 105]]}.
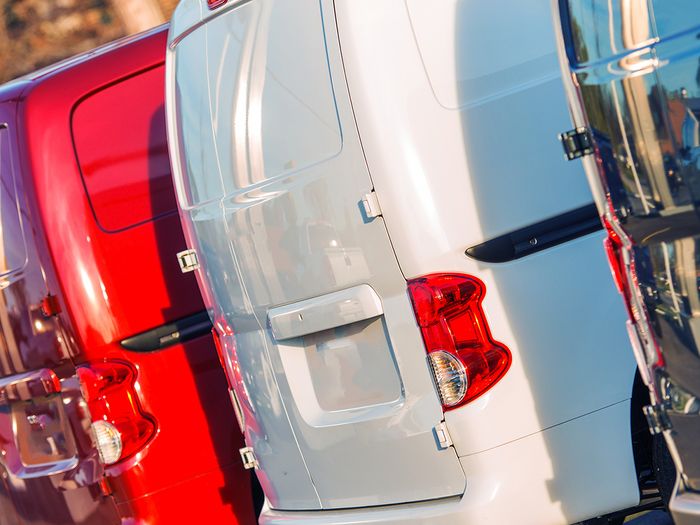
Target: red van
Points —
{"points": [[113, 406]]}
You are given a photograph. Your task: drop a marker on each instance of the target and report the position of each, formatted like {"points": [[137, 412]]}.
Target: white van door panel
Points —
{"points": [[283, 474], [309, 284]]}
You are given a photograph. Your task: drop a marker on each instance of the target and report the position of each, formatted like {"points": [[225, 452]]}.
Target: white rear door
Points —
{"points": [[329, 365]]}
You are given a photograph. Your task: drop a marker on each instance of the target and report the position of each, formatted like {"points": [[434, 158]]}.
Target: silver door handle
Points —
{"points": [[325, 312]]}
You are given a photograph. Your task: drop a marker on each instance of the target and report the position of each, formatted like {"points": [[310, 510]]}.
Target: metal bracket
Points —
{"points": [[248, 457], [577, 143], [188, 261], [442, 435], [370, 204], [657, 419]]}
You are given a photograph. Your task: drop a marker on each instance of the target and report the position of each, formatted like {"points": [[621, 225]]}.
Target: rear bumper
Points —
{"points": [[565, 474], [685, 506], [222, 496]]}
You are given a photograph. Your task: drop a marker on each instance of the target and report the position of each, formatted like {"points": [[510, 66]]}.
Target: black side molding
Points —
{"points": [[539, 236], [167, 335]]}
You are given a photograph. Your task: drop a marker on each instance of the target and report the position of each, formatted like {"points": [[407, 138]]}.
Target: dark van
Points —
{"points": [[633, 80]]}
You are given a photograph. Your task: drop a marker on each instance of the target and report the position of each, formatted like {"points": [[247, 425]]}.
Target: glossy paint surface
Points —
{"points": [[119, 275], [638, 74], [272, 204], [457, 176], [132, 185], [44, 443], [453, 163], [501, 494]]}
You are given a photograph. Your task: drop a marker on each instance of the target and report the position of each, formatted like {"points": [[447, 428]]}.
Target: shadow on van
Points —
{"points": [[205, 367]]}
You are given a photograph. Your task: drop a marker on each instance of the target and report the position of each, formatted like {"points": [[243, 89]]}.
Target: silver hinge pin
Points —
{"points": [[370, 203], [442, 435], [248, 457], [188, 261]]}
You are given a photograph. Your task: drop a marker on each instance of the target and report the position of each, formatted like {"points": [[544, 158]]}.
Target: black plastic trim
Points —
{"points": [[170, 334], [539, 236]]}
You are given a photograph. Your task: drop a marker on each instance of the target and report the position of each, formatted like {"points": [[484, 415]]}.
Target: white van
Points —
{"points": [[404, 273]]}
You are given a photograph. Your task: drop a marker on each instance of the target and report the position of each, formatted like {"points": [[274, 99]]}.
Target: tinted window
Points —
{"points": [[13, 253], [600, 29]]}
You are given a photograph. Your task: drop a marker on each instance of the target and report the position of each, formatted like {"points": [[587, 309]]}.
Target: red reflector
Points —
{"points": [[213, 4], [449, 314], [613, 246], [50, 306], [109, 388]]}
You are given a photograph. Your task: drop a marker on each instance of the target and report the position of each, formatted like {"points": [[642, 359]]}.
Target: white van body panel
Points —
{"points": [[521, 482], [552, 309], [274, 176], [466, 174], [456, 158]]}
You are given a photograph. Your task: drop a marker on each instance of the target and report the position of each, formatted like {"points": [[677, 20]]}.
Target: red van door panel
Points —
{"points": [[124, 273], [121, 281], [46, 450]]}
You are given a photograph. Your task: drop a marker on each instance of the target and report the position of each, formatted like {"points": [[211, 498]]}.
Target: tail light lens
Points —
{"points": [[625, 278], [120, 426], [613, 245], [213, 4], [465, 359]]}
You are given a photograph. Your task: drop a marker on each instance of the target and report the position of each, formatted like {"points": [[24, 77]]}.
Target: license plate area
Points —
{"points": [[43, 441], [343, 374]]}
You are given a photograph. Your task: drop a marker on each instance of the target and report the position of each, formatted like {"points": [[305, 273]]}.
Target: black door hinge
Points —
{"points": [[657, 419], [577, 143]]}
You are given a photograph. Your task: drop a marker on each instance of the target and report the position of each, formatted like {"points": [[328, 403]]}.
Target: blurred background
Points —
{"points": [[36, 33]]}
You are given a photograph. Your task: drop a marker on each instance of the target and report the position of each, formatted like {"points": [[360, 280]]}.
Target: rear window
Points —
{"points": [[258, 107], [13, 252], [600, 29], [120, 141]]}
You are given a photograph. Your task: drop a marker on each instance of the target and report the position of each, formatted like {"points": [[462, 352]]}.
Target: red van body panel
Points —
{"points": [[93, 155], [32, 343]]}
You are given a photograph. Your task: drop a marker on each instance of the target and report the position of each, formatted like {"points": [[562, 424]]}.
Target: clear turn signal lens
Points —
{"points": [[450, 377], [109, 441], [449, 314]]}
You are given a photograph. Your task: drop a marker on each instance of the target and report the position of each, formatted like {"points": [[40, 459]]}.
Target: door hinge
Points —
{"points": [[657, 419], [442, 435], [248, 457], [370, 205], [577, 143], [188, 261]]}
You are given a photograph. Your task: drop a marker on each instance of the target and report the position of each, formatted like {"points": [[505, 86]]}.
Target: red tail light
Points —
{"points": [[613, 247], [449, 314], [219, 350], [109, 389], [213, 4]]}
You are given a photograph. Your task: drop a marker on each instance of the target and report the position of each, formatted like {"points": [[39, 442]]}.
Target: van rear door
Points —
{"points": [[333, 384], [46, 446]]}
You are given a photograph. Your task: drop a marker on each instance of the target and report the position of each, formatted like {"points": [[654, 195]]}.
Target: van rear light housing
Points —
{"points": [[120, 426], [465, 359], [213, 4], [613, 250], [627, 283]]}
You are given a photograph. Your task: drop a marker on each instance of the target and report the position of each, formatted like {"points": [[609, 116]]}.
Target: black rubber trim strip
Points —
{"points": [[169, 334], [539, 236]]}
